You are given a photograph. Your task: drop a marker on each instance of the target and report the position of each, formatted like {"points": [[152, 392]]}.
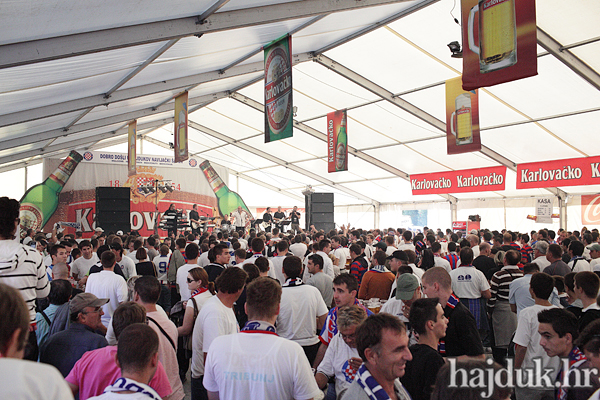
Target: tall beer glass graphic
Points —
{"points": [[181, 133], [497, 34], [464, 124]]}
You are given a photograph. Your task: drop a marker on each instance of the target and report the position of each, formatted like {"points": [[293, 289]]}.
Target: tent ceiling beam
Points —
{"points": [[22, 164], [323, 137], [60, 47], [279, 161], [138, 91], [568, 58]]}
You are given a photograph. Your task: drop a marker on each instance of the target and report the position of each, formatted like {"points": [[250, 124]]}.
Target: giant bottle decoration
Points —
{"points": [[40, 201], [228, 201]]}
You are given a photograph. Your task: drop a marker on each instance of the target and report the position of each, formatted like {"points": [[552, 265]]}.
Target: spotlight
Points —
{"points": [[455, 49], [150, 188], [169, 187]]}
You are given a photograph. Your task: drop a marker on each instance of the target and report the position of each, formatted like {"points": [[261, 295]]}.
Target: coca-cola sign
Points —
{"points": [[590, 209]]}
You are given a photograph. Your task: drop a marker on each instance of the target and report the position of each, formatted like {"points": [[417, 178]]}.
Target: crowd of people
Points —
{"points": [[345, 314]]}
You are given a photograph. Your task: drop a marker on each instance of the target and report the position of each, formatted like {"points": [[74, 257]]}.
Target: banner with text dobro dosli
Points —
{"points": [[570, 172], [131, 146], [337, 141], [462, 118], [465, 181], [278, 90], [77, 201], [180, 123], [499, 41]]}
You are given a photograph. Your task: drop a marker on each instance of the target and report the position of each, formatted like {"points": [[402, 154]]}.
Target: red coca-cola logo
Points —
{"points": [[590, 209]]}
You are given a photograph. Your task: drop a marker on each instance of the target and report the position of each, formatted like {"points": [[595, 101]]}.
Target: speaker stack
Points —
{"points": [[113, 209], [321, 211]]}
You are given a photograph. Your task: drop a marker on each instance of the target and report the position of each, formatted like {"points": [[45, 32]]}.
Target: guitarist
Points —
{"points": [[278, 217], [195, 219], [267, 220]]}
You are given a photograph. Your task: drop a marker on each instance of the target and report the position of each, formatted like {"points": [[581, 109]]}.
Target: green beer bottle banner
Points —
{"points": [[40, 201], [337, 141], [228, 201]]}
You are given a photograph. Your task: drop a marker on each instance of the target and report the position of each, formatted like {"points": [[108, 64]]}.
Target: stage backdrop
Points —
{"points": [[77, 201]]}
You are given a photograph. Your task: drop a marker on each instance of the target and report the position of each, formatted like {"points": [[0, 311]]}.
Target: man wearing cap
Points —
{"points": [[462, 337], [63, 349], [595, 254], [407, 291]]}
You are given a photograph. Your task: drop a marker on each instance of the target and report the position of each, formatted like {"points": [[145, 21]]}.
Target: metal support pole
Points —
{"points": [[25, 180], [453, 212], [562, 210], [377, 215]]}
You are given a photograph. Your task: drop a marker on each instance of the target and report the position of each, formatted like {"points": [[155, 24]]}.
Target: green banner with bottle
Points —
{"points": [[278, 90], [228, 200], [337, 141]]}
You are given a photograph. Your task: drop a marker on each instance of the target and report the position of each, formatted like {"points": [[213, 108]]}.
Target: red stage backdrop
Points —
{"points": [[77, 201], [499, 41], [468, 180]]}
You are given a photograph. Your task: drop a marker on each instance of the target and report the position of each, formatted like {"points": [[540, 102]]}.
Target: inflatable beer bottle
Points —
{"points": [[40, 201], [228, 201]]}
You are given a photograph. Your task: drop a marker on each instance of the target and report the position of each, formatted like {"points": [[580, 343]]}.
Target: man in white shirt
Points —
{"points": [[277, 262], [191, 254], [256, 363], [127, 265], [324, 249], [302, 310], [474, 243], [577, 263], [240, 218], [595, 255], [438, 261], [539, 253], [408, 244], [586, 285], [107, 284], [215, 319], [527, 339], [338, 252], [81, 266], [298, 248]]}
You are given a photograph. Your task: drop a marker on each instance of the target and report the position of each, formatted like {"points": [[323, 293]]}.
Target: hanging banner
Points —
{"points": [[590, 209], [337, 141], [278, 90], [131, 145], [570, 172], [543, 210], [181, 127], [499, 41], [465, 181], [462, 118]]}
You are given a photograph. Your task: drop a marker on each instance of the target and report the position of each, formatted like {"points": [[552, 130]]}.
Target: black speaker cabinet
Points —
{"points": [[113, 209], [321, 211]]}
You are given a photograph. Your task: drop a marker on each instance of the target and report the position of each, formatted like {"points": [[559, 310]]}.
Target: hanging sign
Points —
{"points": [[131, 146], [337, 141], [543, 210], [278, 90], [499, 41], [465, 181], [590, 209], [570, 172], [181, 127], [462, 118]]}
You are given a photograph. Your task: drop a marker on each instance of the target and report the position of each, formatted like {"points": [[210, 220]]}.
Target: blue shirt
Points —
{"points": [[519, 294], [43, 328]]}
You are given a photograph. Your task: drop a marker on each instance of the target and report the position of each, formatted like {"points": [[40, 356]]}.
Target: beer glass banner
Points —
{"points": [[590, 209], [337, 141], [278, 90], [181, 127], [499, 41], [462, 118], [570, 172], [465, 181], [131, 146], [77, 201]]}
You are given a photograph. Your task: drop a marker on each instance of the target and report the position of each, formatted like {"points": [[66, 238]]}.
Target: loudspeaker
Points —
{"points": [[113, 209], [321, 211]]}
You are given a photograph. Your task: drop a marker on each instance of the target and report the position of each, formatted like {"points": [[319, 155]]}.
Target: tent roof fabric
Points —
{"points": [[73, 82]]}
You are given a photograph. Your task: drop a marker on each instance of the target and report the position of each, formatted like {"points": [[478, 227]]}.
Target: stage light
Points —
{"points": [[455, 49]]}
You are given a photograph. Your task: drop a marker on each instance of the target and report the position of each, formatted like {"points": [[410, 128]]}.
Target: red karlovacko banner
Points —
{"points": [[590, 209], [499, 41], [570, 172], [337, 141], [468, 180]]}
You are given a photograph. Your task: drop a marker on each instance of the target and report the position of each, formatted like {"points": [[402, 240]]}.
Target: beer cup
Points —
{"points": [[464, 121], [497, 34], [181, 133]]}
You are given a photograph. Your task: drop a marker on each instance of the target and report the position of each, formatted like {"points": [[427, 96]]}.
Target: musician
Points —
{"points": [[267, 220], [278, 217], [171, 222], [240, 219], [195, 219], [295, 217]]}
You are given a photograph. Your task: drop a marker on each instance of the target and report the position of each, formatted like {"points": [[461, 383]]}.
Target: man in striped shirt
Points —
{"points": [[21, 267], [504, 321]]}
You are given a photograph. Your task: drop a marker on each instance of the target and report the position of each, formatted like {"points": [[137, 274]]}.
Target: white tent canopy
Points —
{"points": [[73, 75]]}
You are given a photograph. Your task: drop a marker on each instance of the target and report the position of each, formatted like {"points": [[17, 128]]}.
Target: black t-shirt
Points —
{"points": [[462, 337], [295, 215], [421, 371], [214, 270], [194, 216], [279, 215], [145, 268], [486, 264], [98, 268], [267, 217]]}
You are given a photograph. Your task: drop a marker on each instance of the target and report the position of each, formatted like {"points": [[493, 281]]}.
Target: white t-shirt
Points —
{"points": [[442, 262], [297, 320], [181, 279], [340, 254], [527, 335], [162, 266], [335, 363], [582, 265], [24, 380], [81, 266], [417, 271], [128, 267], [299, 250], [390, 250], [167, 355], [277, 263], [468, 282], [542, 262], [394, 307], [251, 260], [203, 260], [214, 320], [200, 300], [407, 246], [327, 264], [595, 264], [107, 285], [258, 366]]}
